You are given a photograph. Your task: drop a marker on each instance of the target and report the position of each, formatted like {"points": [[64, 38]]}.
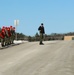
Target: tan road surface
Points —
{"points": [[30, 58]]}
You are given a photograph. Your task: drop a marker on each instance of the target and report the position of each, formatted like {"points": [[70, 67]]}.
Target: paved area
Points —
{"points": [[30, 58]]}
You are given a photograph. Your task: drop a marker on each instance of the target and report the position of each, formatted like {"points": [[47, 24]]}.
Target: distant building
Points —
{"points": [[69, 37]]}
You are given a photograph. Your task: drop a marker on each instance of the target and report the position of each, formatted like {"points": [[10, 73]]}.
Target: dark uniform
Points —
{"points": [[42, 32]]}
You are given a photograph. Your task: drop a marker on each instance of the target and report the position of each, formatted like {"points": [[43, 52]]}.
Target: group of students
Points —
{"points": [[7, 35]]}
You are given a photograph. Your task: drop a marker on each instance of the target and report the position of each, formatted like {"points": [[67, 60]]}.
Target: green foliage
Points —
{"points": [[20, 36], [29, 38]]}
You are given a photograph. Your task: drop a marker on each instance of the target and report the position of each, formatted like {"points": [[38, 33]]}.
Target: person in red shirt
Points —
{"points": [[12, 30], [2, 36]]}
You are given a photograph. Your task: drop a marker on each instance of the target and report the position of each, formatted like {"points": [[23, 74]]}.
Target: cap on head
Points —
{"points": [[10, 26], [41, 23]]}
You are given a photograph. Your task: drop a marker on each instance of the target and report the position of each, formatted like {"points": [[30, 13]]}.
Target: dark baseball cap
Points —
{"points": [[41, 23]]}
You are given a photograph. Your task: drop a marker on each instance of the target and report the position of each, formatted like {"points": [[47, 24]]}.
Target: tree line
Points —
{"points": [[47, 37]]}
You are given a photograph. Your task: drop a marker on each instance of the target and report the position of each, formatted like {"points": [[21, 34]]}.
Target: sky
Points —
{"points": [[57, 15]]}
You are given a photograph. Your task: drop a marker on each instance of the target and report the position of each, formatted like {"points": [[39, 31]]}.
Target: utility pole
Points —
{"points": [[16, 23]]}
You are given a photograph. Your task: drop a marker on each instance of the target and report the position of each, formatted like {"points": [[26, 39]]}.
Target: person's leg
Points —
{"points": [[41, 38], [2, 42]]}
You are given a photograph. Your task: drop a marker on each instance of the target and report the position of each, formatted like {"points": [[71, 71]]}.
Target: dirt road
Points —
{"points": [[30, 58]]}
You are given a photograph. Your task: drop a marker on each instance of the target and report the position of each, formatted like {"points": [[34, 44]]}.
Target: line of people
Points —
{"points": [[7, 35]]}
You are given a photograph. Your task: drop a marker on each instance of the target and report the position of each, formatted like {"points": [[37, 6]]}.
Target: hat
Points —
{"points": [[41, 23]]}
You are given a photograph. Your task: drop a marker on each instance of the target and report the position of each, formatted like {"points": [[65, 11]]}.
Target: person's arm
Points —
{"points": [[43, 30], [39, 28]]}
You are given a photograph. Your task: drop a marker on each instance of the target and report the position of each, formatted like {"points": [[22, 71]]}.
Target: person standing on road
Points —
{"points": [[2, 37], [42, 32]]}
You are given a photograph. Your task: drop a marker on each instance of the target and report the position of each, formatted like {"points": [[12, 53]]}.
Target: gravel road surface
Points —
{"points": [[30, 58]]}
